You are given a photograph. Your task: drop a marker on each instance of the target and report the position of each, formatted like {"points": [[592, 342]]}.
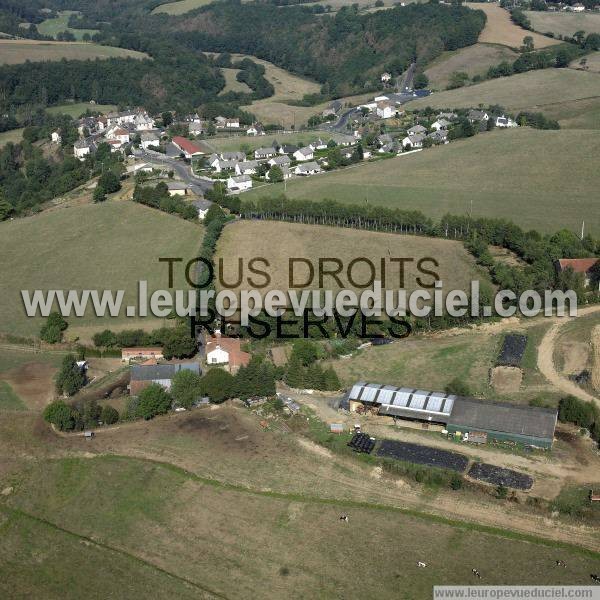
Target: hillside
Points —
{"points": [[302, 42], [535, 90], [510, 174], [14, 52], [499, 29], [105, 246], [564, 23]]}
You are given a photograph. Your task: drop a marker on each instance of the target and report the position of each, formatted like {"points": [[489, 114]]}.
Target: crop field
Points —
{"points": [[279, 242], [499, 29], [180, 7], [13, 135], [535, 90], [78, 108], [564, 23], [498, 476], [142, 521], [61, 23], [18, 51], [497, 174], [56, 250], [473, 60], [232, 84], [235, 142]]}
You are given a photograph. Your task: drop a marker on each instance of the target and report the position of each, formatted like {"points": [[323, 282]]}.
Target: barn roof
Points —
{"points": [[503, 417], [161, 371]]}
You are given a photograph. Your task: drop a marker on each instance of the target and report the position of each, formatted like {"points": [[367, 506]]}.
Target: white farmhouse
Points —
{"points": [[305, 153], [240, 183]]}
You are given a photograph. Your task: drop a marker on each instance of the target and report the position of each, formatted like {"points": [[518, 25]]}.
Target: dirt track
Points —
{"points": [[546, 361]]}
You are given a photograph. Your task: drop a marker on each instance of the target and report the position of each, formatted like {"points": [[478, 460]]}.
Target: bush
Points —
{"points": [[501, 492], [52, 330], [70, 378], [109, 415], [185, 388], [60, 415], [458, 387], [153, 400]]}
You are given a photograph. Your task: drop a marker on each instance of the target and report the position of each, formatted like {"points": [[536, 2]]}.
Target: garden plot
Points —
{"points": [[499, 476], [423, 455]]}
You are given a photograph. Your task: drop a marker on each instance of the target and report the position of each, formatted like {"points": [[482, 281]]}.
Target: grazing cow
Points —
{"points": [[561, 563], [344, 518], [595, 578], [476, 573], [421, 565]]}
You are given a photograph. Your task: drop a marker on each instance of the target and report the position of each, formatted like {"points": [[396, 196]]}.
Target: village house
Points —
{"points": [[83, 147], [143, 122], [55, 137], [318, 144], [246, 168], [583, 266], [255, 129], [177, 188], [477, 116], [416, 129], [115, 145], [86, 125], [240, 183], [440, 124], [333, 109], [385, 109], [280, 161], [237, 156], [224, 165], [101, 123], [386, 78], [189, 149], [226, 351], [141, 376], [503, 121], [118, 134], [305, 153], [121, 118], [264, 153], [202, 207], [285, 171], [287, 149], [141, 353], [309, 168], [413, 141], [196, 128], [149, 139], [439, 137]]}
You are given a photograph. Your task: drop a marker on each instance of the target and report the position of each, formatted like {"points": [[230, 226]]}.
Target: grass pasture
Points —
{"points": [[180, 7], [108, 246], [61, 23], [12, 135], [534, 90], [18, 51], [564, 23], [232, 84], [508, 174], [473, 60], [499, 29], [592, 62], [236, 544], [278, 242], [78, 108]]}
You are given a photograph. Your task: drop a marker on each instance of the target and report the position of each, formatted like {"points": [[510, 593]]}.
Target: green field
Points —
{"points": [[13, 135], [180, 7], [473, 60], [18, 51], [106, 246], [153, 525], [535, 90], [232, 84], [79, 108], [8, 399], [564, 23], [511, 174], [54, 26]]}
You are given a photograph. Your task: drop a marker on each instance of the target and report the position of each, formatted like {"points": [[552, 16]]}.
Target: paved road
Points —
{"points": [[198, 185], [404, 83]]}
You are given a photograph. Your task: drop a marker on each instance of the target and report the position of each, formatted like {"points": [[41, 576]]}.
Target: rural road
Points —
{"points": [[546, 358]]}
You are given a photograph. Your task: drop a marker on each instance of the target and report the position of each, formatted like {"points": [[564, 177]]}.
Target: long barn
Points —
{"points": [[500, 421]]}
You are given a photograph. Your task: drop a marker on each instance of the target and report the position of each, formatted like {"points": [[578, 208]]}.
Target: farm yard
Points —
{"points": [[564, 23], [18, 51], [473, 60], [72, 259], [456, 179], [499, 29]]}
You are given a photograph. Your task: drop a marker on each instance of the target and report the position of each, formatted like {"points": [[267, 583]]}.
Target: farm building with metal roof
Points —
{"points": [[497, 420]]}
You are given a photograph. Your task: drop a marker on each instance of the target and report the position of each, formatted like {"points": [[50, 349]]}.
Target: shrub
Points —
{"points": [[153, 400], [59, 414], [109, 415]]}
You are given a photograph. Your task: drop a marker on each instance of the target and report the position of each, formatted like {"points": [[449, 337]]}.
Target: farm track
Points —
{"points": [[546, 359]]}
